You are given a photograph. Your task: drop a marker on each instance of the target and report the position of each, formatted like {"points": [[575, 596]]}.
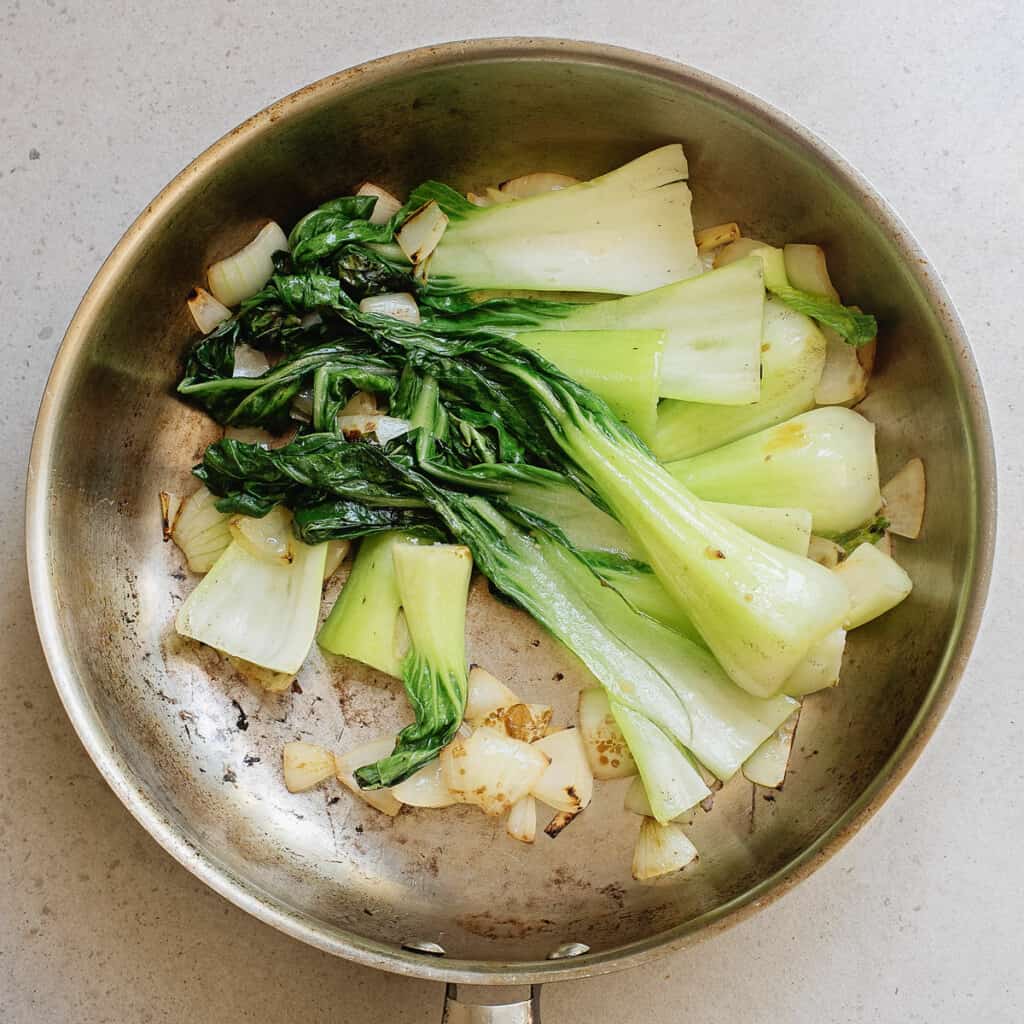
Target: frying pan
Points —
{"points": [[193, 750]]}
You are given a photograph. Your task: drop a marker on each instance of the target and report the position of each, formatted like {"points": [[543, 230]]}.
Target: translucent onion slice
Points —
{"points": [[201, 531], [383, 800], [522, 820], [526, 722], [336, 552], [384, 428], [386, 206], [820, 668], [362, 403], [825, 552], [240, 276], [206, 310], [306, 765], [302, 407], [265, 678], [904, 498], [768, 764], [249, 362], [875, 583], [536, 184], [269, 538], [170, 506], [661, 850], [567, 783], [399, 305], [426, 788], [420, 234], [737, 250], [492, 770], [486, 695], [605, 746]]}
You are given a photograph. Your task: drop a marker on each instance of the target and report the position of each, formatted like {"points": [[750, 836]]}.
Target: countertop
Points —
{"points": [[917, 919]]}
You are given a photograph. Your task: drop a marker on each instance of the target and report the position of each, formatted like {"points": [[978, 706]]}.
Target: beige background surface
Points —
{"points": [[100, 104]]}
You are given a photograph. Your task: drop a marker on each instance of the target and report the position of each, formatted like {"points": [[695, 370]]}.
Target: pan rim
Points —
{"points": [[130, 790]]}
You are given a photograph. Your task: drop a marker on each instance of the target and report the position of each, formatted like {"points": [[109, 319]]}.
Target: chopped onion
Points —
{"points": [[486, 695], [201, 531], [536, 184], [526, 722], [737, 250], [825, 552], [844, 380], [386, 206], [522, 820], [265, 678], [249, 362], [336, 552], [383, 800], [661, 850], [567, 783], [306, 765], [426, 788], [478, 200], [240, 276], [492, 770], [400, 305], [636, 800], [721, 234], [420, 234], [269, 538], [875, 584], [362, 403], [206, 310], [807, 270], [904, 498], [767, 765], [170, 506], [558, 823], [302, 407], [820, 668], [384, 428], [605, 746]]}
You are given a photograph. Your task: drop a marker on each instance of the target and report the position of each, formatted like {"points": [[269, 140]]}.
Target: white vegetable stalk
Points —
{"points": [[400, 305], [270, 538], [786, 528], [522, 820], [536, 184], [820, 669], [383, 800], [625, 232], [792, 358], [567, 783], [387, 205], [605, 746], [262, 611], [206, 310], [240, 276], [768, 764], [201, 531], [823, 461], [904, 498], [875, 583], [491, 770], [427, 788], [306, 765], [661, 850]]}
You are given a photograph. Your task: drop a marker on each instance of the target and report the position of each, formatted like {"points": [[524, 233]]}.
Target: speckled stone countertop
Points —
{"points": [[919, 918]]}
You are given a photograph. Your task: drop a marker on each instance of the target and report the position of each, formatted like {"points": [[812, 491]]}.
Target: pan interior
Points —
{"points": [[203, 748]]}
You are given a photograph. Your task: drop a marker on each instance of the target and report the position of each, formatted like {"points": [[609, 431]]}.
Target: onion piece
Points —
{"points": [[536, 184], [399, 305], [386, 206], [522, 820], [875, 584], [206, 310], [825, 552], [491, 770], [559, 822], [249, 362], [713, 237], [478, 200], [265, 678], [269, 538], [820, 667], [384, 428], [306, 765], [807, 269], [737, 250], [485, 696], [336, 552], [426, 788], [661, 850], [302, 407], [606, 749], [201, 531], [768, 764], [362, 403], [383, 800], [567, 783], [240, 276], [904, 498], [170, 506], [526, 722], [420, 234]]}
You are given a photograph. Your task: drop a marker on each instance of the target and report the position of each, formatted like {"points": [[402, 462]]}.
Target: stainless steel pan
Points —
{"points": [[194, 752]]}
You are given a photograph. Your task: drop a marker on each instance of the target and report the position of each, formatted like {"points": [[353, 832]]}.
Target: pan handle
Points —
{"points": [[469, 1006]]}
